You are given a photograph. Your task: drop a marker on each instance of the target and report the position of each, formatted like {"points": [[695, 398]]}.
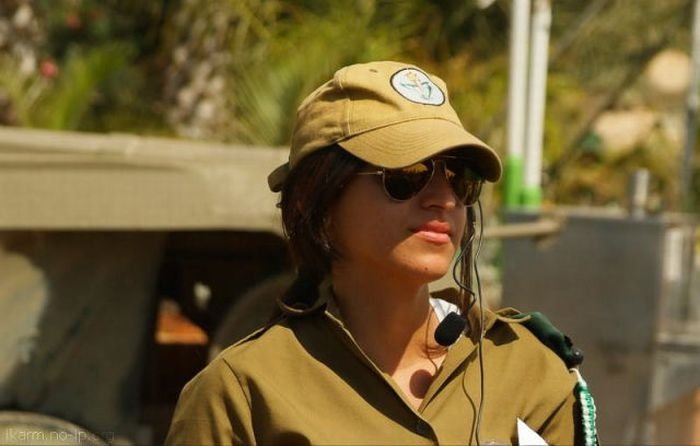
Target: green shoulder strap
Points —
{"points": [[550, 336]]}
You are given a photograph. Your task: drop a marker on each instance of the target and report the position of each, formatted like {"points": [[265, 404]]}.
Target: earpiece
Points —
{"points": [[453, 325]]}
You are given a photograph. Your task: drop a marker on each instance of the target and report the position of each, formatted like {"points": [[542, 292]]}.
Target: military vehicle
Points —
{"points": [[120, 256]]}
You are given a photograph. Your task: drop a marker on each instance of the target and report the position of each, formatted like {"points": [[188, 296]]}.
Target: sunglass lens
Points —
{"points": [[468, 191], [464, 181], [402, 184]]}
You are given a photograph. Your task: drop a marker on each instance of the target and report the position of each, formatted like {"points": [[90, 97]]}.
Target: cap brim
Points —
{"points": [[277, 177], [408, 142]]}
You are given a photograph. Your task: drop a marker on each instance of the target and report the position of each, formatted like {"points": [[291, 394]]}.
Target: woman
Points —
{"points": [[377, 199]]}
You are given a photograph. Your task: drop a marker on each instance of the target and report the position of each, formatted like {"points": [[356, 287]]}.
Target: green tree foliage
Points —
{"points": [[601, 69], [96, 58], [306, 41], [70, 103], [240, 67]]}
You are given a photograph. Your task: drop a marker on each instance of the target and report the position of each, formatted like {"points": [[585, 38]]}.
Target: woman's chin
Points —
{"points": [[431, 271], [423, 266]]}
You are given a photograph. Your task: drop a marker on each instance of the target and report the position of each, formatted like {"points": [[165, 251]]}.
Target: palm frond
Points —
{"points": [[79, 84]]}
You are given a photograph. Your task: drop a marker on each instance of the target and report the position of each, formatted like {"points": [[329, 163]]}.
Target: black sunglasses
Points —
{"points": [[406, 182]]}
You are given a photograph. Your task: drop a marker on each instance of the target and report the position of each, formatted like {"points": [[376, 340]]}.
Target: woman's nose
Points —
{"points": [[438, 192]]}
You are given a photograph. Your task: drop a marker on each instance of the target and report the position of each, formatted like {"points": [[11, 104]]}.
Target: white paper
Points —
{"points": [[528, 437]]}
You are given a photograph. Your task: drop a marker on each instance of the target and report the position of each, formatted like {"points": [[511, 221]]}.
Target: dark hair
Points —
{"points": [[309, 191], [466, 299], [311, 188]]}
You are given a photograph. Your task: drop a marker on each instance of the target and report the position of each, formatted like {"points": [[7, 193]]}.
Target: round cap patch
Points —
{"points": [[416, 86]]}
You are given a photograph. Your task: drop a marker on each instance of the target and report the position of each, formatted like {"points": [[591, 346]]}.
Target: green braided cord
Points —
{"points": [[588, 410]]}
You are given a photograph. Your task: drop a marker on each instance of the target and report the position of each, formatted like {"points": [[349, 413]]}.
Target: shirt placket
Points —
{"points": [[421, 425]]}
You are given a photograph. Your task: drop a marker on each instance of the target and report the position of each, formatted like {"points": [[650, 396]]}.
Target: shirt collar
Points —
{"points": [[300, 308], [474, 314], [327, 302]]}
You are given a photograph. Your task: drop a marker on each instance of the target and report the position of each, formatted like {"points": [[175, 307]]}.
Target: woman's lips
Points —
{"points": [[434, 231]]}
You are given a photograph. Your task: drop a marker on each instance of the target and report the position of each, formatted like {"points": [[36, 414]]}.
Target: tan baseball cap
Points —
{"points": [[389, 114]]}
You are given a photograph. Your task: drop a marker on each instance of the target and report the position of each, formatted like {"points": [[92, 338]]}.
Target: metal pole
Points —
{"points": [[541, 228], [541, 20], [638, 193], [517, 100], [691, 116]]}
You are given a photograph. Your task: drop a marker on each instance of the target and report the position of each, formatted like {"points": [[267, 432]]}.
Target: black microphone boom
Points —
{"points": [[449, 329]]}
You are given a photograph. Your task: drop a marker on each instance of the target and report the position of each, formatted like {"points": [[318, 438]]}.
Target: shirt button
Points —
{"points": [[423, 428]]}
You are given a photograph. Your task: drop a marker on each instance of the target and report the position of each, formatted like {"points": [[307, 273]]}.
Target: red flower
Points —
{"points": [[48, 69], [73, 21]]}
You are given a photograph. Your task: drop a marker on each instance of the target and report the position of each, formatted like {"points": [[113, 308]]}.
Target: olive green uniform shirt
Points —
{"points": [[304, 380]]}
